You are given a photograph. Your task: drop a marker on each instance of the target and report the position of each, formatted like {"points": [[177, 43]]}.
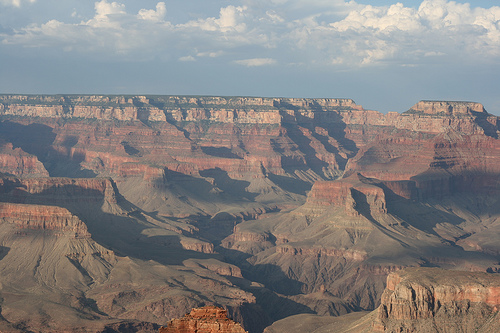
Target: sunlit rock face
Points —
{"points": [[208, 319], [433, 300]]}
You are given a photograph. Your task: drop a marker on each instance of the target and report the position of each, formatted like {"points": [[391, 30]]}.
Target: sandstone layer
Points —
{"points": [[209, 319], [43, 217], [432, 300]]}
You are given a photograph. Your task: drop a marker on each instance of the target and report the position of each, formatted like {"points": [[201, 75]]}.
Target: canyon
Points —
{"points": [[126, 212], [418, 299]]}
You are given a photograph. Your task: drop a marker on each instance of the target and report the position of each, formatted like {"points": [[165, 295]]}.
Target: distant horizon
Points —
{"points": [[252, 96]]}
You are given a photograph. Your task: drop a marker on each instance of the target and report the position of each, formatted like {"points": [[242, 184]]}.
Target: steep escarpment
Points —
{"points": [[432, 300], [247, 138], [417, 300], [19, 163], [43, 217]]}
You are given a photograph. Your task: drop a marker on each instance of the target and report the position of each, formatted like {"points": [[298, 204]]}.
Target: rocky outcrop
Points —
{"points": [[319, 252], [448, 108], [19, 163], [57, 190], [356, 194], [433, 300], [216, 109], [209, 319], [43, 218]]}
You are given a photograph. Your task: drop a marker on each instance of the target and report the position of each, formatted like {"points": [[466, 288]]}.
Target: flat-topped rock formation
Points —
{"points": [[208, 319], [43, 218], [162, 108], [433, 300], [428, 300], [447, 108]]}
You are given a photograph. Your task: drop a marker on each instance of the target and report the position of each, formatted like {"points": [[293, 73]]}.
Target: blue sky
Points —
{"points": [[386, 55]]}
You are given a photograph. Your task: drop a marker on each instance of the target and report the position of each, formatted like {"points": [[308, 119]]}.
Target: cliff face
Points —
{"points": [[433, 300], [445, 107], [18, 163], [43, 217], [417, 300], [209, 319], [350, 193], [245, 137], [52, 190]]}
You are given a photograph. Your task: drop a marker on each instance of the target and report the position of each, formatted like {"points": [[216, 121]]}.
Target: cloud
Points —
{"points": [[187, 58], [323, 33], [211, 54], [395, 17], [256, 62], [230, 19], [371, 35], [15, 3], [111, 31], [154, 15]]}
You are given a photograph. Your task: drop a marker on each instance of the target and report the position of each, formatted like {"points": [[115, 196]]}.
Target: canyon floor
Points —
{"points": [[120, 213]]}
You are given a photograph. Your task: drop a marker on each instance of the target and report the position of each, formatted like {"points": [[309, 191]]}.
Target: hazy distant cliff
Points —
{"points": [[242, 110]]}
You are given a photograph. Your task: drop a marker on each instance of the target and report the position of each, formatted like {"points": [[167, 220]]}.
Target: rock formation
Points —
{"points": [[433, 300], [139, 208], [43, 217], [208, 319], [417, 300]]}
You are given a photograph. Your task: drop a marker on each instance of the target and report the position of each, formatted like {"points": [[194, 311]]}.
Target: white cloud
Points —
{"points": [[210, 54], [380, 34], [154, 15], [15, 3], [104, 9], [274, 17], [187, 58], [256, 62], [394, 17], [434, 54], [112, 31], [230, 20], [323, 32]]}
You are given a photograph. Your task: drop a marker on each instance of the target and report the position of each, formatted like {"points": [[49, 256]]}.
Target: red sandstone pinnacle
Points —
{"points": [[208, 319]]}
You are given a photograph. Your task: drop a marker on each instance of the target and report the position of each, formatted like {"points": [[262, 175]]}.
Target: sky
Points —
{"points": [[385, 55]]}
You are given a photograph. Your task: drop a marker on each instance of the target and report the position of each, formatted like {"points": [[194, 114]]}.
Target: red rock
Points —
{"points": [[455, 108], [454, 301], [209, 319], [346, 193], [62, 190], [43, 217]]}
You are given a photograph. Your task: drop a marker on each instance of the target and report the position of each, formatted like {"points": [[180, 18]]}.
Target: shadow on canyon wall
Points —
{"points": [[37, 140]]}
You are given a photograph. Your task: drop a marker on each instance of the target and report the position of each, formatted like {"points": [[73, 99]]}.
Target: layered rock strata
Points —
{"points": [[43, 218], [388, 191], [61, 191], [209, 319], [245, 137], [433, 300]]}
